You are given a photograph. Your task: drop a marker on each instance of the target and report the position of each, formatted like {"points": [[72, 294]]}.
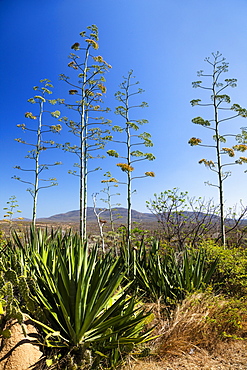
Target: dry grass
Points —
{"points": [[203, 320], [201, 334], [229, 356]]}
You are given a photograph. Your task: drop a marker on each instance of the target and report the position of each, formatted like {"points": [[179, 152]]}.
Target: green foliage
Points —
{"points": [[228, 317], [112, 153], [231, 272], [169, 276], [75, 297], [200, 121], [85, 304]]}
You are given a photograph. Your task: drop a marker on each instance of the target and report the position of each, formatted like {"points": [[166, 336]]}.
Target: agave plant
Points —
{"points": [[170, 276], [83, 302], [79, 300], [193, 273]]}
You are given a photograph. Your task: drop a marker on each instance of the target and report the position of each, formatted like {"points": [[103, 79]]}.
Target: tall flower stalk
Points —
{"points": [[88, 129], [41, 144], [131, 140], [219, 103]]}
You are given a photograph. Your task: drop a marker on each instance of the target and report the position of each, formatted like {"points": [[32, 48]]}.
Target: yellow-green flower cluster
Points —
{"points": [[73, 92], [125, 167], [101, 60], [30, 115], [150, 174], [93, 43], [112, 179], [194, 141], [72, 64], [89, 92], [242, 160], [102, 88], [207, 163], [20, 141], [56, 128], [240, 147], [229, 151], [40, 98], [75, 46], [22, 125], [112, 153]]}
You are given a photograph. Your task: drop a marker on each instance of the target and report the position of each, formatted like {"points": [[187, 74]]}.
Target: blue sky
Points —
{"points": [[165, 43]]}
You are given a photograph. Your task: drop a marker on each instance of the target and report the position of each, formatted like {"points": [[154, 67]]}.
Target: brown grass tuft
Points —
{"points": [[204, 332], [203, 320]]}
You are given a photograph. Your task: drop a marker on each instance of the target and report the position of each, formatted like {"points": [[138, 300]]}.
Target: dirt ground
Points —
{"points": [[228, 356]]}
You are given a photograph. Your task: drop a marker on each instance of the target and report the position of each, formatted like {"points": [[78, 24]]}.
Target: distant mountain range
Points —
{"points": [[119, 214]]}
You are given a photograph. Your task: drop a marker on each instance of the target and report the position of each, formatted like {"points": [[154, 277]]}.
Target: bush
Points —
{"points": [[230, 276]]}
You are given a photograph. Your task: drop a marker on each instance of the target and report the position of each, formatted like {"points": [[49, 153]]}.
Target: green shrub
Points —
{"points": [[230, 276]]}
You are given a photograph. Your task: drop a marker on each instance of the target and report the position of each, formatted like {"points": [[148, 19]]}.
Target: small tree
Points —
{"points": [[219, 102], [187, 220], [89, 130], [131, 140], [110, 182], [41, 144], [184, 219], [11, 209]]}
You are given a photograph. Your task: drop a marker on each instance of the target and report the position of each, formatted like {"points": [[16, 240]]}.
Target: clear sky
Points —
{"points": [[165, 43]]}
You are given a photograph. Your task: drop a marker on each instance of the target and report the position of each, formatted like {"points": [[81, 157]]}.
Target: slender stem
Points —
{"points": [[218, 153], [37, 153], [83, 129], [128, 142], [85, 157]]}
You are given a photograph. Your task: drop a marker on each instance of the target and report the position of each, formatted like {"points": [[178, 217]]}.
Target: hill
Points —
{"points": [[120, 216], [119, 213]]}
